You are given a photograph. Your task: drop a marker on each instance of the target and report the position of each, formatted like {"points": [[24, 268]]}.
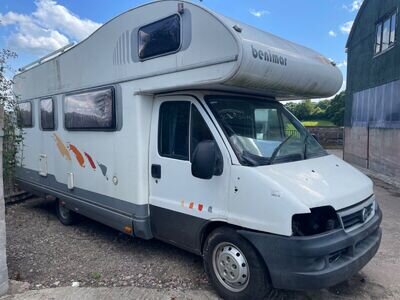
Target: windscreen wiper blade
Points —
{"points": [[276, 151]]}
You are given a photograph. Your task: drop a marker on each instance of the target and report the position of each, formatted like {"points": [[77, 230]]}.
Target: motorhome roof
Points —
{"points": [[215, 52]]}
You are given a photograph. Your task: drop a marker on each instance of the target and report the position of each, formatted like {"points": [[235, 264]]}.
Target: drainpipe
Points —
{"points": [[3, 258]]}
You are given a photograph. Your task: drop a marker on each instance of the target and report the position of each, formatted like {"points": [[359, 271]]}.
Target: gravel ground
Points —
{"points": [[45, 253]]}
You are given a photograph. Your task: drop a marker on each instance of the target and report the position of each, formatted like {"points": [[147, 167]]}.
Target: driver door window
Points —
{"points": [[199, 130]]}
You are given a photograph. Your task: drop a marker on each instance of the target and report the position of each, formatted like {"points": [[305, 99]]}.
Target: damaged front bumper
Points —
{"points": [[316, 262]]}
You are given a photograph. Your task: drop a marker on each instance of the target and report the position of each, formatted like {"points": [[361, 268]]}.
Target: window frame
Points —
{"points": [[54, 115], [32, 116], [114, 126], [166, 53], [159, 136], [381, 22]]}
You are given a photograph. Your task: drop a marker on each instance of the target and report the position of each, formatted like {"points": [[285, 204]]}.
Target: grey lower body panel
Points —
{"points": [[309, 263], [179, 229], [110, 211]]}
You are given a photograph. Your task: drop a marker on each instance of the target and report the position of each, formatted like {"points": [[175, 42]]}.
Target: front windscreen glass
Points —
{"points": [[263, 132]]}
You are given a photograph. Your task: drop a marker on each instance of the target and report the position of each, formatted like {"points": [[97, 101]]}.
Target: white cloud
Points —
{"points": [[258, 13], [332, 33], [342, 64], [56, 16], [50, 27], [354, 6], [346, 27]]}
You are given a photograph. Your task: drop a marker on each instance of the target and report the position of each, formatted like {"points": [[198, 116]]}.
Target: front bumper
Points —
{"points": [[316, 262]]}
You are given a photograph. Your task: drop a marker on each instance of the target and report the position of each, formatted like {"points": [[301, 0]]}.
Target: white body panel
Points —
{"points": [[213, 55], [269, 196]]}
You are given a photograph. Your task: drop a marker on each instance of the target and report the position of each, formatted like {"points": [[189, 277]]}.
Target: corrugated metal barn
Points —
{"points": [[372, 122]]}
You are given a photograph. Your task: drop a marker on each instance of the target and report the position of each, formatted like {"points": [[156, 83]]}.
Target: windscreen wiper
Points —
{"points": [[276, 151]]}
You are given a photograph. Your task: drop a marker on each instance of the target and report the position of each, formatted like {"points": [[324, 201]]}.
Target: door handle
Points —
{"points": [[156, 171]]}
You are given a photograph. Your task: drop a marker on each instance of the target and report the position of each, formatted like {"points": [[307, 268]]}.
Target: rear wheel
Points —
{"points": [[65, 215], [234, 267]]}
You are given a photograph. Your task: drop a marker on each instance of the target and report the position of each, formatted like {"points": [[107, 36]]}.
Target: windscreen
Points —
{"points": [[263, 132]]}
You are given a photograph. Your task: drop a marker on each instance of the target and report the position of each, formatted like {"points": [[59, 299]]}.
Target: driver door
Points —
{"points": [[180, 203]]}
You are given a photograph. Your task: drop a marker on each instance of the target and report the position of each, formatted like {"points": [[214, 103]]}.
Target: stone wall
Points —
{"points": [[374, 148], [3, 258], [329, 137]]}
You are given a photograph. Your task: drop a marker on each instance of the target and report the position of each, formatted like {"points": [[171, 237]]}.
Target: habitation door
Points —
{"points": [[181, 204]]}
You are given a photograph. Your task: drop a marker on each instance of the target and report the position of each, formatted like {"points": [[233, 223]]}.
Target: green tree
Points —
{"points": [[335, 111], [304, 110], [12, 132]]}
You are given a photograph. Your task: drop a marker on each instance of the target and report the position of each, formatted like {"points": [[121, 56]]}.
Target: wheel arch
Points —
{"points": [[213, 225]]}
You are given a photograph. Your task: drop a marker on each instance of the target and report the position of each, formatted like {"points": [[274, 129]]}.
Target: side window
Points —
{"points": [[173, 130], [93, 110], [25, 115], [161, 37], [199, 130], [378, 44], [268, 125], [385, 33], [47, 114]]}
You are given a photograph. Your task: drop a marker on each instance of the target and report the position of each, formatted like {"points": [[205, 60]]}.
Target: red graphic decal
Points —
{"points": [[91, 162], [191, 205], [200, 207], [78, 155]]}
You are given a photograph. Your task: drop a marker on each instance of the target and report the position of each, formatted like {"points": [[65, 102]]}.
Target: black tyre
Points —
{"points": [[234, 267], [66, 216]]}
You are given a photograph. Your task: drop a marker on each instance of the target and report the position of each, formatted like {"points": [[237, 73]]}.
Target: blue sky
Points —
{"points": [[33, 28]]}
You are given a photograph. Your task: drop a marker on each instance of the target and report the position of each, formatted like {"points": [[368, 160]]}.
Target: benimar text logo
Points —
{"points": [[269, 56]]}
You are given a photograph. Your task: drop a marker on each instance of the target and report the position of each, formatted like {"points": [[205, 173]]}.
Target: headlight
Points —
{"points": [[320, 220]]}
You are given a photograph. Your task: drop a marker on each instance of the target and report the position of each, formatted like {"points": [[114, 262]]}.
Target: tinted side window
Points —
{"points": [[199, 130], [93, 110], [47, 114], [173, 131], [25, 114], [160, 37]]}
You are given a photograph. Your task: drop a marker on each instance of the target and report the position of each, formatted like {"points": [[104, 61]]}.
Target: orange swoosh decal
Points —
{"points": [[61, 147], [79, 157]]}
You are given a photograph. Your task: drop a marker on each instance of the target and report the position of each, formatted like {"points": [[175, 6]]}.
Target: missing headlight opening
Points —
{"points": [[320, 220]]}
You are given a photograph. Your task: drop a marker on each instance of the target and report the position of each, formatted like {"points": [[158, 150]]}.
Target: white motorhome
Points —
{"points": [[166, 123]]}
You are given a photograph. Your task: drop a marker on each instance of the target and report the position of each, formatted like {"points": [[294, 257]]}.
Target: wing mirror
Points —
{"points": [[207, 160]]}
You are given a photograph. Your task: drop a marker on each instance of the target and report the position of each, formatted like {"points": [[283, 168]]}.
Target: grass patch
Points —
{"points": [[318, 123], [95, 275]]}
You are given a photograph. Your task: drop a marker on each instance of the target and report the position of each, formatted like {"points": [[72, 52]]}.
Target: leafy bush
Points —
{"points": [[12, 133]]}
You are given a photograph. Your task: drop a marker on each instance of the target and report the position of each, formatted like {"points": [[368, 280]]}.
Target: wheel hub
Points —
{"points": [[230, 266], [64, 212]]}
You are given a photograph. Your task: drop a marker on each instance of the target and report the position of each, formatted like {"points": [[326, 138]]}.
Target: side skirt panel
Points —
{"points": [[181, 230], [110, 211]]}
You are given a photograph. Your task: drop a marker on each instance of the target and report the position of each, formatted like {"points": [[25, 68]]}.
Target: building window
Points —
{"points": [[386, 33], [173, 130], [94, 110], [25, 115], [47, 114], [160, 38]]}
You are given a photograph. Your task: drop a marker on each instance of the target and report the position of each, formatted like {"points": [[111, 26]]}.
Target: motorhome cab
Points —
{"points": [[166, 123]]}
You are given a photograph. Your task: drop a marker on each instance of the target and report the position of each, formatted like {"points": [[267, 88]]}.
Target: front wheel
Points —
{"points": [[234, 267], [66, 216]]}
